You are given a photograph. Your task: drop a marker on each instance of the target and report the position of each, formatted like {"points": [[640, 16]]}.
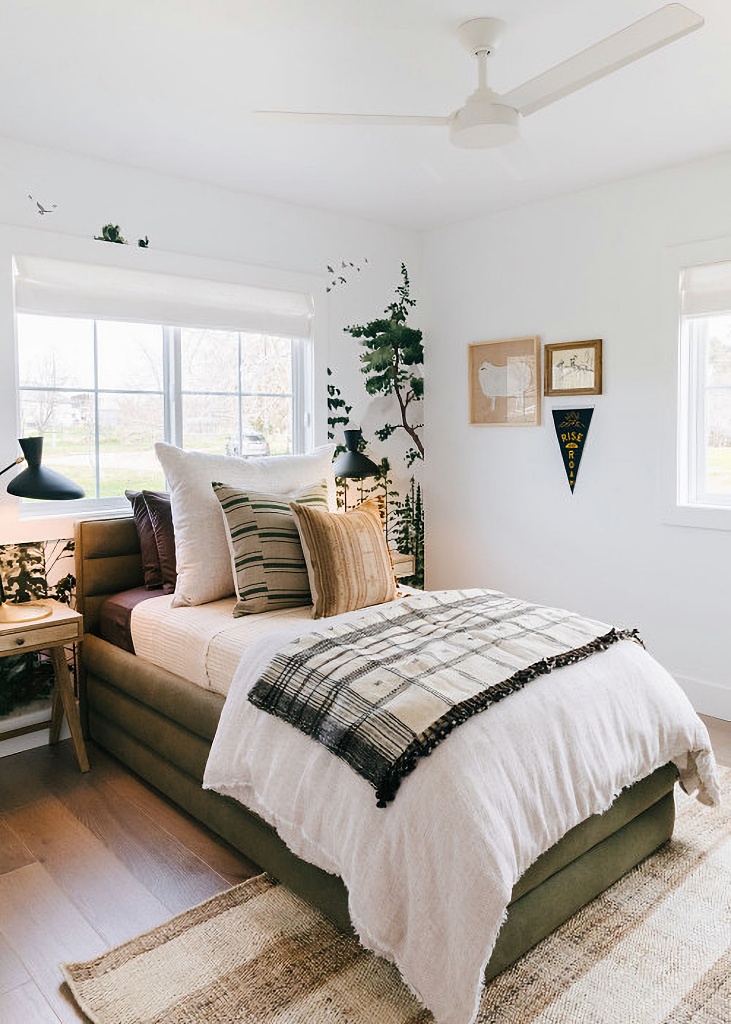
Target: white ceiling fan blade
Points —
{"points": [[304, 117], [629, 44]]}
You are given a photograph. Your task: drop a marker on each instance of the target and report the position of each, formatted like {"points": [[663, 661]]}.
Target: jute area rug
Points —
{"points": [[654, 949]]}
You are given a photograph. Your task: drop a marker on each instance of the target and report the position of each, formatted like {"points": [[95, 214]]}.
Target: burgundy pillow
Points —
{"points": [[151, 571], [161, 517]]}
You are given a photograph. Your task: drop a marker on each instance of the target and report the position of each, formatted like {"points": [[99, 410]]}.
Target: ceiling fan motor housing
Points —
{"points": [[481, 123], [488, 119]]}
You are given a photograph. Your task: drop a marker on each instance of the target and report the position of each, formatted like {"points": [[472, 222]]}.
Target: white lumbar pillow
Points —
{"points": [[201, 545]]}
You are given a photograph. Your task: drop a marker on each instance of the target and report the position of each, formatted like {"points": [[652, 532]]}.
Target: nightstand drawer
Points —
{"points": [[39, 637]]}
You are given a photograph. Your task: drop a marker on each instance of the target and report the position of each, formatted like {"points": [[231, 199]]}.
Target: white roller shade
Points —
{"points": [[63, 288], [706, 289]]}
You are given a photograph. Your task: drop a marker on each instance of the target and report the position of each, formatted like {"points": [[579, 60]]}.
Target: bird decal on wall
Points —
{"points": [[42, 210]]}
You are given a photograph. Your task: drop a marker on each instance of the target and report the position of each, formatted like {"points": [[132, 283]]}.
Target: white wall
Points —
{"points": [[500, 513], [193, 228]]}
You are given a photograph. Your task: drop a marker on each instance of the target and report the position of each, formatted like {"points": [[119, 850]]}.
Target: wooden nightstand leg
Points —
{"points": [[56, 712], [66, 691]]}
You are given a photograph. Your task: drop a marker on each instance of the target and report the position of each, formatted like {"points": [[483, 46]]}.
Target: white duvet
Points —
{"points": [[430, 876]]}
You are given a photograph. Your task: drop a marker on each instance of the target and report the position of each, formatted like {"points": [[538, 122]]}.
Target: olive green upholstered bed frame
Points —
{"points": [[161, 726]]}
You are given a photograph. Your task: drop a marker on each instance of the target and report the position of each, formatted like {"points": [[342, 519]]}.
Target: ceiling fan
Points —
{"points": [[488, 119]]}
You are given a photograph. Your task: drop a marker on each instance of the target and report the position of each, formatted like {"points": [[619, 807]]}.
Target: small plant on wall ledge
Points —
{"points": [[112, 233], [393, 351]]}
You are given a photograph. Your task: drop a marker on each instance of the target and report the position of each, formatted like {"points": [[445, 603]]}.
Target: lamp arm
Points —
{"points": [[16, 462]]}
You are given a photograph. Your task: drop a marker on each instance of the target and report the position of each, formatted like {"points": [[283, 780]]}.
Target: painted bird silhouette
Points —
{"points": [[42, 210]]}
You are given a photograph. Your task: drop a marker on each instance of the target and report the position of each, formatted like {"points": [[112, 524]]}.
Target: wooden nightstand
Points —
{"points": [[62, 626]]}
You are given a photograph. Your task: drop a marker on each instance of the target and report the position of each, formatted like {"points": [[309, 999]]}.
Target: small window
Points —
{"points": [[704, 469]]}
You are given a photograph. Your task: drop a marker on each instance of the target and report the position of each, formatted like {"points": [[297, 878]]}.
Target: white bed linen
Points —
{"points": [[430, 877], [203, 644]]}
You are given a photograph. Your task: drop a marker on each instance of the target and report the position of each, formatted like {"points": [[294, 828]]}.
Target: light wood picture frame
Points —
{"points": [[573, 368], [505, 382]]}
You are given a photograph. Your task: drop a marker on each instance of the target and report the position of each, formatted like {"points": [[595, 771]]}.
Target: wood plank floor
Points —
{"points": [[88, 861]]}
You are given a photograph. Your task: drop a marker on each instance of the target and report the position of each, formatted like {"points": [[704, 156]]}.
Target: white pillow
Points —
{"points": [[201, 545]]}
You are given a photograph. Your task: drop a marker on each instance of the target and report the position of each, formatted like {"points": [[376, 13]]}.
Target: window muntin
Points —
{"points": [[102, 392], [705, 442], [237, 392]]}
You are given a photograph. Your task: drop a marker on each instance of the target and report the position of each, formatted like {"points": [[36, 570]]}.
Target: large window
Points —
{"points": [[704, 470], [101, 392], [112, 359]]}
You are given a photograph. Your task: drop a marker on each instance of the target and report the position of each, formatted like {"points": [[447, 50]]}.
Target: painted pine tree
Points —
{"points": [[393, 352], [409, 531], [338, 412]]}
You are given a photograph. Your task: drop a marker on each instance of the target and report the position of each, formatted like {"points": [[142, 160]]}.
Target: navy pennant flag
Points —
{"points": [[572, 426]]}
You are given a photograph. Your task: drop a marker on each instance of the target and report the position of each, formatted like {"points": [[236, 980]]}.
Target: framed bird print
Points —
{"points": [[505, 382], [573, 368]]}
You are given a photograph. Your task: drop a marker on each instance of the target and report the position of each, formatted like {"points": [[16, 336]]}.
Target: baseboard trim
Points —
{"points": [[28, 729], [707, 698]]}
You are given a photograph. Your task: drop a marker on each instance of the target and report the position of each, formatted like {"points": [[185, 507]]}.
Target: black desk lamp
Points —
{"points": [[352, 464], [34, 482]]}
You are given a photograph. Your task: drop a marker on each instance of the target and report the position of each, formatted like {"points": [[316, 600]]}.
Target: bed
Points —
{"points": [[161, 726]]}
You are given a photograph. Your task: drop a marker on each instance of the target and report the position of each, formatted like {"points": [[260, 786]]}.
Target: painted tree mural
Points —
{"points": [[392, 360], [409, 531], [338, 412]]}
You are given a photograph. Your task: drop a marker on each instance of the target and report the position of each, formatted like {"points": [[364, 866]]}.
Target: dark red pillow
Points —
{"points": [[151, 571], [161, 517]]}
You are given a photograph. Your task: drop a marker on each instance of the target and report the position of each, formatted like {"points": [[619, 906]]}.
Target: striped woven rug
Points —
{"points": [[654, 949]]}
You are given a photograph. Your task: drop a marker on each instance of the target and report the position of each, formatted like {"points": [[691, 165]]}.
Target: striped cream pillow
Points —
{"points": [[266, 554], [348, 561]]}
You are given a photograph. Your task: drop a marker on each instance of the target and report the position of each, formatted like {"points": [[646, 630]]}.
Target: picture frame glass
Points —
{"points": [[573, 369], [505, 385]]}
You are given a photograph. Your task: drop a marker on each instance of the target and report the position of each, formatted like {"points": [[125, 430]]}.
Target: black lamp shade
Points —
{"points": [[38, 482], [351, 463]]}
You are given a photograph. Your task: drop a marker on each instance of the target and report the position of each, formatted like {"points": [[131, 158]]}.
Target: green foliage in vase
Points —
{"points": [[24, 678], [393, 351], [63, 589], [25, 569]]}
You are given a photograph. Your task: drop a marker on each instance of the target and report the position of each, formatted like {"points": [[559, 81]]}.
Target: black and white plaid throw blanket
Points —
{"points": [[383, 691]]}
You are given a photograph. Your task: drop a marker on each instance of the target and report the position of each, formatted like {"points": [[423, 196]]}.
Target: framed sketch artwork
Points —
{"points": [[573, 368], [505, 382]]}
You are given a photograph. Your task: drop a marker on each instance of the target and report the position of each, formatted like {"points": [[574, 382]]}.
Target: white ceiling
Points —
{"points": [[170, 85]]}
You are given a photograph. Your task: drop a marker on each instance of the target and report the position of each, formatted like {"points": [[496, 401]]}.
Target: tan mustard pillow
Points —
{"points": [[348, 561]]}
